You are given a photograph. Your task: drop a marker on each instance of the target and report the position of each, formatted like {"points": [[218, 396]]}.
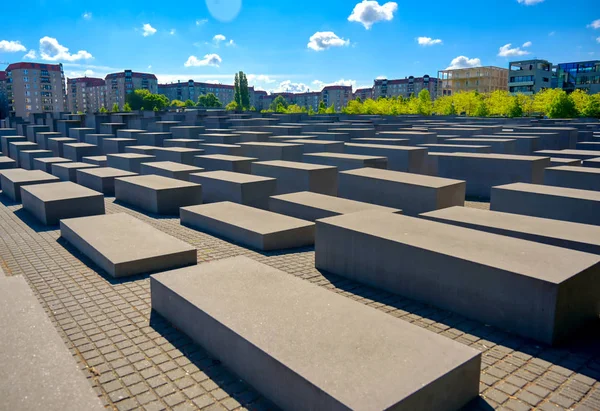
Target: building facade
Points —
{"points": [[338, 96], [3, 96], [404, 87], [119, 85], [35, 88], [529, 76], [363, 93], [86, 94], [481, 79], [584, 75]]}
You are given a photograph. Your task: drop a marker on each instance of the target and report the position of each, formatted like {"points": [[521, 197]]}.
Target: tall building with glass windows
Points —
{"points": [[529, 76], [584, 75], [118, 85]]}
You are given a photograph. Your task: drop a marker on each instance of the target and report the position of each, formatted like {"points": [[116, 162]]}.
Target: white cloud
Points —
{"points": [[31, 54], [218, 38], [288, 86], [380, 77], [150, 67], [148, 30], [208, 60], [598, 40], [85, 73], [201, 22], [52, 50], [172, 32], [11, 46], [369, 12], [205, 78], [463, 62], [527, 44], [428, 41], [341, 82], [594, 24], [263, 78], [87, 15], [322, 40], [530, 2], [230, 43], [506, 51]]}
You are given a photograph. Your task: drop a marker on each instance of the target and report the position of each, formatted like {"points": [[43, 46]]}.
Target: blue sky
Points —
{"points": [[296, 45]]}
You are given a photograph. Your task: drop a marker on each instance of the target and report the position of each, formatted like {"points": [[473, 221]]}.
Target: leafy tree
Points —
{"points": [[252, 108], [144, 98], [209, 101], [127, 108], [424, 104], [237, 95], [155, 109], [311, 111], [115, 108], [580, 99], [592, 108], [322, 107], [330, 110], [155, 101], [103, 110], [244, 91], [562, 106], [189, 103], [177, 103], [515, 109], [295, 108], [278, 101], [233, 106], [482, 109], [136, 98]]}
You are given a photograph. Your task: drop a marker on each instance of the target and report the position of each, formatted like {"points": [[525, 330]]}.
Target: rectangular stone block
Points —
{"points": [[97, 139], [56, 145], [383, 140], [153, 139], [183, 142], [400, 158], [26, 157], [558, 203], [466, 271], [309, 206], [293, 176], [272, 151], [412, 193], [148, 150], [592, 162], [216, 162], [411, 369], [497, 145], [79, 133], [178, 154], [579, 154], [76, 151], [169, 169], [111, 128], [33, 129], [187, 132], [157, 194], [45, 163], [557, 162], [13, 180], [249, 226], [456, 148], [355, 132], [319, 146], [566, 137], [42, 138], [50, 203], [163, 126], [524, 144], [14, 148], [576, 236], [123, 246], [101, 179], [129, 161], [68, 171], [345, 161], [227, 149], [588, 145], [250, 136], [582, 178], [117, 145], [246, 189], [99, 161], [7, 163], [129, 133], [6, 140], [414, 137], [221, 138]]}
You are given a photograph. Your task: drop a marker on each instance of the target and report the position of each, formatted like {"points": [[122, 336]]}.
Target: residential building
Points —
{"points": [[3, 96], [35, 88], [363, 93], [405, 87], [529, 76], [584, 75], [338, 96], [192, 90], [256, 98], [86, 94], [118, 85], [309, 99], [481, 79]]}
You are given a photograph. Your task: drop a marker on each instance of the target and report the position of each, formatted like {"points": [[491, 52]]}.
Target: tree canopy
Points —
{"points": [[144, 98], [208, 101]]}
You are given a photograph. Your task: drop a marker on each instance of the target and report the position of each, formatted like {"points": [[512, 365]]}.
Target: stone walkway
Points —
{"points": [[135, 359]]}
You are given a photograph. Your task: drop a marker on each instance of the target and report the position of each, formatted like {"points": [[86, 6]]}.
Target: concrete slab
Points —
{"points": [[6, 140], [246, 189], [178, 154], [100, 161], [249, 136], [221, 138], [49, 203], [117, 145], [148, 150], [15, 147], [13, 180], [470, 272], [355, 132], [319, 146], [414, 137], [123, 246], [579, 154], [524, 144], [588, 145], [592, 162], [56, 145], [556, 162], [582, 178], [310, 206], [153, 139], [129, 133], [97, 139], [79, 133], [558, 203], [38, 371], [129, 161], [42, 138], [227, 149], [272, 151], [7, 163], [101, 179], [580, 237], [400, 158], [294, 176], [76, 151], [215, 162], [33, 129], [157, 194], [45, 163], [249, 226], [187, 132], [497, 145], [456, 148], [68, 171], [566, 137], [169, 169], [382, 140], [183, 142], [345, 161], [233, 307], [26, 157]]}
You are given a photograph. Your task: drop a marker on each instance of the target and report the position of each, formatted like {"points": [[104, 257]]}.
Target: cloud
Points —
{"points": [[598, 40], [172, 32], [380, 77], [150, 67], [230, 43], [288, 86], [51, 50], [530, 2], [218, 38], [205, 78], [527, 44], [369, 12], [208, 60], [201, 22], [263, 78], [87, 15], [463, 62], [506, 51], [148, 30], [322, 40], [594, 24], [428, 41], [11, 46], [341, 82], [31, 54]]}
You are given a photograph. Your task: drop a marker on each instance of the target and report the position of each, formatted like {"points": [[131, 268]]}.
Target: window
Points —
{"points": [[26, 79], [25, 72]]}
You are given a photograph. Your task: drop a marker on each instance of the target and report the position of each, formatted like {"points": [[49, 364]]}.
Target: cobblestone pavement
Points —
{"points": [[135, 359]]}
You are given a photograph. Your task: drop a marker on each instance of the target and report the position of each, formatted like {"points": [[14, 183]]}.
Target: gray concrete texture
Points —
{"points": [[294, 176]]}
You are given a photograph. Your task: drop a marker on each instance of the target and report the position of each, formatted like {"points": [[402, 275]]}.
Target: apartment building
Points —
{"points": [[481, 79], [309, 99], [529, 76], [584, 75], [256, 98], [363, 93], [192, 90], [3, 96], [86, 94], [405, 87], [339, 96], [35, 88], [118, 85]]}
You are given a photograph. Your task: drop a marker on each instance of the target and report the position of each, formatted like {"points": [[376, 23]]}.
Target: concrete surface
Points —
{"points": [[246, 189], [294, 176]]}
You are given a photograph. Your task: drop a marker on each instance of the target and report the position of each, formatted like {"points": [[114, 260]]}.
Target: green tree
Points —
{"points": [[103, 110], [499, 103], [562, 106], [155, 109], [278, 101], [209, 101], [115, 108], [233, 106], [189, 103], [176, 103], [295, 108], [136, 98], [424, 104], [244, 91], [592, 108], [580, 100], [252, 108], [322, 107], [126, 108], [515, 109], [155, 101], [311, 111], [482, 109], [237, 95], [330, 110]]}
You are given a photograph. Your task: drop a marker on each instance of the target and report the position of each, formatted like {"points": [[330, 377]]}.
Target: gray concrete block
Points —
{"points": [[221, 138], [129, 133], [99, 161], [272, 151], [246, 189], [524, 145], [153, 139], [97, 139], [45, 163], [157, 194], [582, 178], [250, 226], [111, 128], [101, 179], [588, 145], [293, 176], [215, 162], [411, 369], [123, 246], [414, 137], [187, 132], [579, 154], [576, 236], [592, 162], [117, 145], [466, 271], [556, 162], [355, 132], [49, 203], [558, 203], [56, 145], [42, 138], [178, 154], [33, 129], [76, 151], [13, 180], [497, 145], [400, 158], [148, 150], [309, 206], [456, 148], [14, 148], [250, 136], [26, 157], [163, 126], [560, 137], [383, 140], [319, 146], [169, 169], [6, 140], [328, 135], [183, 142], [227, 149], [412, 193], [38, 372], [7, 163], [68, 171], [79, 133], [129, 161]]}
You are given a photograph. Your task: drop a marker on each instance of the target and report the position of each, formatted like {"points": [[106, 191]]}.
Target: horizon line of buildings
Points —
{"points": [[37, 87]]}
